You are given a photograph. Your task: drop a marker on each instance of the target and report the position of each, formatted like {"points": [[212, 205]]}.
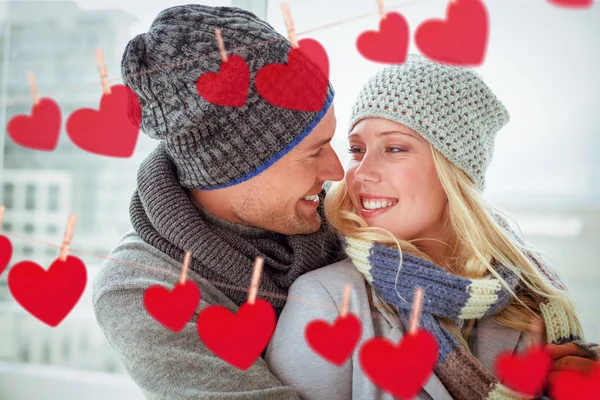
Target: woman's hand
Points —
{"points": [[569, 357]]}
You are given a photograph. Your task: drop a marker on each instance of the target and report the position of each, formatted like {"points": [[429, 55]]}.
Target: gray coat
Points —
{"points": [[318, 295], [167, 365]]}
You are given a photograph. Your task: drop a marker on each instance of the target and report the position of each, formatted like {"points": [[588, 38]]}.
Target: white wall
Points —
{"points": [[37, 382]]}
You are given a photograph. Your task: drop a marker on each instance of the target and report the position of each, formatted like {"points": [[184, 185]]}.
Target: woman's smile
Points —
{"points": [[372, 205]]}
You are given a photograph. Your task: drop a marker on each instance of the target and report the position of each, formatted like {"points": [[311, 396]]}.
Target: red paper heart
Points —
{"points": [[461, 39], [389, 44], [573, 3], [240, 338], [172, 308], [300, 85], [336, 342], [109, 131], [524, 373], [5, 252], [317, 53], [228, 87], [40, 131], [48, 295], [413, 359], [571, 385]]}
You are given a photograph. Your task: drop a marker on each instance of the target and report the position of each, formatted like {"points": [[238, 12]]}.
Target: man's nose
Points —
{"points": [[332, 167]]}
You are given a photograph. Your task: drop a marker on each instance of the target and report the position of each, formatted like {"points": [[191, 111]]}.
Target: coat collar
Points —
{"points": [[493, 338]]}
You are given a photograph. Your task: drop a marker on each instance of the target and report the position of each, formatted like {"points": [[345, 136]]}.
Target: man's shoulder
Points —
{"points": [[134, 265]]}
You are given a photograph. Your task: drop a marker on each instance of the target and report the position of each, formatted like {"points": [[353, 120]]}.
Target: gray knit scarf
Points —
{"points": [[165, 217]]}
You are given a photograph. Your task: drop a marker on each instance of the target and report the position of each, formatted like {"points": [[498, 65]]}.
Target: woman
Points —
{"points": [[411, 214]]}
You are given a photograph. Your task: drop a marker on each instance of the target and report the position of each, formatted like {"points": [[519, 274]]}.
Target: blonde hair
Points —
{"points": [[477, 240]]}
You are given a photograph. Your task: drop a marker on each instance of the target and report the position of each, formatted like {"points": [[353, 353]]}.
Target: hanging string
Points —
{"points": [[84, 86], [176, 275]]}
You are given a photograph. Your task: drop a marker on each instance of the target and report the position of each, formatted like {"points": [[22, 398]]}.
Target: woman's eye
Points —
{"points": [[396, 149], [354, 150]]}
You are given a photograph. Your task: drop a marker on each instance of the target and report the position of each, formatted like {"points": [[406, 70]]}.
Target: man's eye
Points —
{"points": [[317, 153]]}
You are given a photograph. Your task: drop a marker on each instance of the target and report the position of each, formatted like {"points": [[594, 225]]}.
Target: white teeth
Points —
{"points": [[314, 197], [373, 205]]}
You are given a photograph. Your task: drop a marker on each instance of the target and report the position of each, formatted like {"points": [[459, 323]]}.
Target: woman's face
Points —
{"points": [[392, 181]]}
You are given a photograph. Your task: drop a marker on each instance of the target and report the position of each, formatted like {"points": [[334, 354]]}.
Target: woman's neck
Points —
{"points": [[441, 248]]}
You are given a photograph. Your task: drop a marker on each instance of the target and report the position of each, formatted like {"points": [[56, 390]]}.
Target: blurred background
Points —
{"points": [[542, 62]]}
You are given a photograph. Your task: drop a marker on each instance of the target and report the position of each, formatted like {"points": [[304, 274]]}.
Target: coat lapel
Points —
{"points": [[493, 338], [434, 387]]}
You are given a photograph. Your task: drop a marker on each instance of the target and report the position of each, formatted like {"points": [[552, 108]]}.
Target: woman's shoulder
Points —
{"points": [[333, 276]]}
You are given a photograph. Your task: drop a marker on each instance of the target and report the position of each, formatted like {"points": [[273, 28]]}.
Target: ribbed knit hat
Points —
{"points": [[451, 107], [211, 145]]}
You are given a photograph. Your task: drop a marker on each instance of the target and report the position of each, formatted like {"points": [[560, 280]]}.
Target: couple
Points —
{"points": [[233, 183]]}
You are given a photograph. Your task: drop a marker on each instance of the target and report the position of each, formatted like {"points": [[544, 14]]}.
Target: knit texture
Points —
{"points": [[396, 275], [451, 107], [215, 146], [165, 217]]}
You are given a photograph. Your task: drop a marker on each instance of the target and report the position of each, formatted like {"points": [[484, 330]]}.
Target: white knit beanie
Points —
{"points": [[450, 107]]}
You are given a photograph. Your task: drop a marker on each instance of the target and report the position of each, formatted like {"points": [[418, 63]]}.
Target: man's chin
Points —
{"points": [[313, 225], [303, 224]]}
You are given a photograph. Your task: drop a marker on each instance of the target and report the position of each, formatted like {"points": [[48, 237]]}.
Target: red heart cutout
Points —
{"points": [[524, 373], [317, 53], [109, 131], [389, 44], [172, 308], [238, 338], [573, 3], [5, 252], [413, 359], [40, 131], [48, 295], [461, 39], [228, 87], [300, 85], [336, 342], [571, 385]]}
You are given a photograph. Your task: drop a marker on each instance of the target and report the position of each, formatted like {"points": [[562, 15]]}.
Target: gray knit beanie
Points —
{"points": [[214, 146], [450, 107]]}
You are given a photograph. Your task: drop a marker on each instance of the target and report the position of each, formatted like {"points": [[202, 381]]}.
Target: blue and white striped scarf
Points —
{"points": [[396, 275]]}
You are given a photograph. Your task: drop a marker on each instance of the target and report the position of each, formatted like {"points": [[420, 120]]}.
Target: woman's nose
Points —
{"points": [[367, 170]]}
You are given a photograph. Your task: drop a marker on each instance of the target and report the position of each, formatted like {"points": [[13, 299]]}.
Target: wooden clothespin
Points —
{"points": [[416, 311], [256, 273], [33, 86], [186, 267], [221, 45], [102, 69], [64, 249], [381, 9], [289, 23], [346, 301]]}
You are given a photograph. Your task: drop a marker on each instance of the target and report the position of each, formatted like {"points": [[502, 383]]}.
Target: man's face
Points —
{"points": [[274, 199]]}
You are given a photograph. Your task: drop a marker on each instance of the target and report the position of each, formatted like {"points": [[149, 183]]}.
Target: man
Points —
{"points": [[226, 183]]}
